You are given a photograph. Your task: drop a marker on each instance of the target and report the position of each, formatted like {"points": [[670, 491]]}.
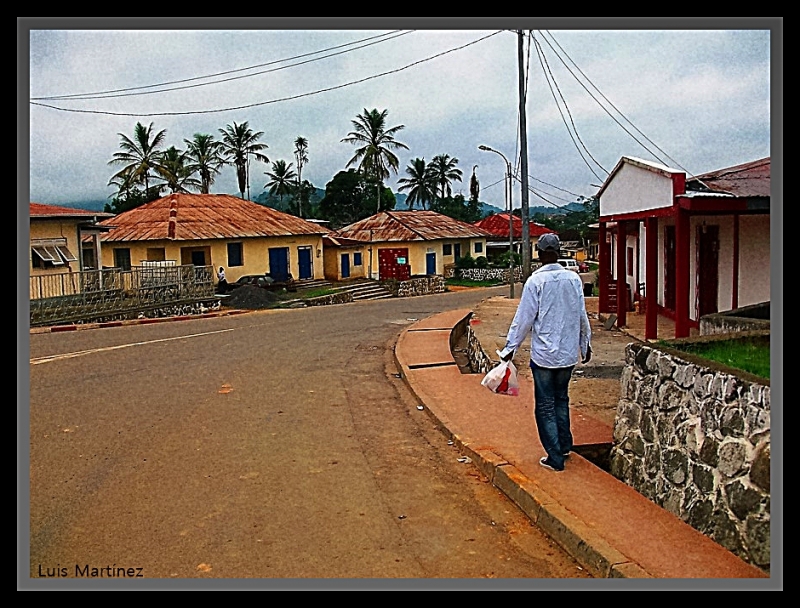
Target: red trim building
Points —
{"points": [[498, 225], [683, 247]]}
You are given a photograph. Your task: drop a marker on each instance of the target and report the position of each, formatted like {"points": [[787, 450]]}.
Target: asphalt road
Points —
{"points": [[271, 445]]}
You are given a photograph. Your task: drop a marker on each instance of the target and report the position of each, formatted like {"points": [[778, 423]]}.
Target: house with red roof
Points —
{"points": [[686, 246], [499, 226]]}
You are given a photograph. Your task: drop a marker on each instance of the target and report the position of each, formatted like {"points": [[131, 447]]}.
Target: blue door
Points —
{"points": [[279, 263], [304, 261], [430, 263], [345, 265], [457, 251]]}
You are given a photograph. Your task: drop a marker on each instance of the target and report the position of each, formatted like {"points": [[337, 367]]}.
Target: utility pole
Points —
{"points": [[523, 134]]}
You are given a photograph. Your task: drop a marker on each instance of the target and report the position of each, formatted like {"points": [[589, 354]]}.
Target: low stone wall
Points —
{"points": [[488, 274], [416, 286], [180, 309], [747, 318], [696, 441], [341, 297]]}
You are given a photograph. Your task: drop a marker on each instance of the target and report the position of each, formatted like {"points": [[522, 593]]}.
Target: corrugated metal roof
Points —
{"points": [[412, 225], [747, 180], [497, 224], [41, 211], [187, 217]]}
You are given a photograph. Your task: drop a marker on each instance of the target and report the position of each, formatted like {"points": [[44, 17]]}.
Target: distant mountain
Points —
{"points": [[401, 204], [84, 205], [549, 210]]}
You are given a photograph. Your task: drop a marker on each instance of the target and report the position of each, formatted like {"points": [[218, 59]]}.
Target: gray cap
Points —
{"points": [[548, 242]]}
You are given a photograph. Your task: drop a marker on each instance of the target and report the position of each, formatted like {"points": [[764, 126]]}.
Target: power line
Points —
{"points": [[612, 105], [263, 103], [127, 92], [548, 77]]}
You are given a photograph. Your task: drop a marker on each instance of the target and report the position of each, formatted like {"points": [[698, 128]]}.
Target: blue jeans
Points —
{"points": [[551, 410]]}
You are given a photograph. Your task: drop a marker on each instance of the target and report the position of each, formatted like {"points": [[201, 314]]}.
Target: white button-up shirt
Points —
{"points": [[552, 308]]}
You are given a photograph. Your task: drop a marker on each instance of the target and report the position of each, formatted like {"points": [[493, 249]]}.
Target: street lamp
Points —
{"points": [[510, 218]]}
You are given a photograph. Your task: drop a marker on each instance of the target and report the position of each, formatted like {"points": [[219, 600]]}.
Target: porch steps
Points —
{"points": [[364, 289], [306, 284], [374, 291]]}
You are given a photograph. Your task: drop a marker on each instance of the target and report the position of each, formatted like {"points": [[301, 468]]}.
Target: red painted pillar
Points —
{"points": [[622, 291], [602, 269], [651, 279], [682, 240]]}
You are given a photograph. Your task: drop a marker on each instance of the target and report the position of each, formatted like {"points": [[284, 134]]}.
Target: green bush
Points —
{"points": [[481, 262], [503, 260], [466, 261]]}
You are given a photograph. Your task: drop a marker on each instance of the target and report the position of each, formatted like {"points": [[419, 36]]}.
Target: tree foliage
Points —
{"points": [[350, 196], [458, 208], [375, 143], [239, 143], [139, 157], [204, 155], [281, 179], [420, 183]]}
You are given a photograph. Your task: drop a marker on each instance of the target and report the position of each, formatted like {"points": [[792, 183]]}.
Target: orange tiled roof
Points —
{"points": [[497, 224], [187, 217], [40, 210], [746, 180], [402, 226]]}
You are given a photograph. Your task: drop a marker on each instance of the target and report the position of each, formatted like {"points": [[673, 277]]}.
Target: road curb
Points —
{"points": [[147, 321]]}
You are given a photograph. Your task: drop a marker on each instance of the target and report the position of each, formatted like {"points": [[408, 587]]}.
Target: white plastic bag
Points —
{"points": [[502, 379]]}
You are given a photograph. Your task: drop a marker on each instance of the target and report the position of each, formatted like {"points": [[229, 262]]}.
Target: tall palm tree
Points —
{"points": [[444, 171], [474, 185], [138, 155], [301, 158], [177, 173], [374, 155], [282, 179], [239, 143], [204, 154], [419, 183]]}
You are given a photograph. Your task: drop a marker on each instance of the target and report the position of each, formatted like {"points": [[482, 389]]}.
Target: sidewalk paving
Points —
{"points": [[611, 529]]}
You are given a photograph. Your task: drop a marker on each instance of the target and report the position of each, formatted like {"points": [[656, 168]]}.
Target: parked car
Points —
{"points": [[265, 281], [569, 264], [583, 267]]}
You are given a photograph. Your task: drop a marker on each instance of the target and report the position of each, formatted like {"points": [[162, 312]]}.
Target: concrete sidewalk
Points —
{"points": [[611, 529]]}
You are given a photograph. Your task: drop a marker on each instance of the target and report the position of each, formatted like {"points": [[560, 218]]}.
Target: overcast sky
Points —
{"points": [[694, 99]]}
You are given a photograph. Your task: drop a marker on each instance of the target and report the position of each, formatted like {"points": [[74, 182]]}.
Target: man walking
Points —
{"points": [[553, 310]]}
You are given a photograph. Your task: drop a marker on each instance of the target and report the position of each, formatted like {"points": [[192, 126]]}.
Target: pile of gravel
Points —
{"points": [[250, 297]]}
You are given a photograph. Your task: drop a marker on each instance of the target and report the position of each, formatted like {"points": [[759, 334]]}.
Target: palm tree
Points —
{"points": [[282, 179], [374, 156], [474, 185], [419, 183], [139, 155], [205, 156], [239, 143], [174, 170], [443, 170], [301, 158]]}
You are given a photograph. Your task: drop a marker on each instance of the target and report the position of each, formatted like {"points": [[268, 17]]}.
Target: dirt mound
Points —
{"points": [[249, 297]]}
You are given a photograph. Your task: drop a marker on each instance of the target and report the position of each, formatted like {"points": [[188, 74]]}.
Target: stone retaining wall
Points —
{"points": [[416, 286], [180, 309], [486, 274], [341, 297], [697, 442], [747, 318]]}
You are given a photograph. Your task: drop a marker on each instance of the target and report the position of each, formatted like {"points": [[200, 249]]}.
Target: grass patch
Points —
{"points": [[471, 283], [307, 294], [751, 356]]}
